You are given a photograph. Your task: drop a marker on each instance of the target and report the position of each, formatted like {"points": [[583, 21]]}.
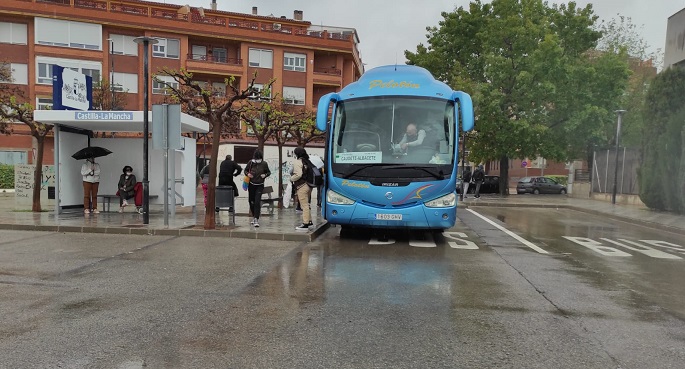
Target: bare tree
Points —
{"points": [[304, 128], [199, 99], [15, 109], [106, 97]]}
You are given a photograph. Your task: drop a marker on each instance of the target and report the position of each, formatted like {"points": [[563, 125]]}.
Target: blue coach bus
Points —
{"points": [[391, 150]]}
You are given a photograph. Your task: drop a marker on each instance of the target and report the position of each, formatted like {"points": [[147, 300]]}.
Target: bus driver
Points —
{"points": [[412, 138]]}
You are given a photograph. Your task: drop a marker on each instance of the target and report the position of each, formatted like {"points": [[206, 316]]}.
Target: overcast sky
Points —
{"points": [[388, 27]]}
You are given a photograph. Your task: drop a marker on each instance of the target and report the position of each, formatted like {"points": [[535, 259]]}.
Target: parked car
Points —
{"points": [[490, 185], [538, 185]]}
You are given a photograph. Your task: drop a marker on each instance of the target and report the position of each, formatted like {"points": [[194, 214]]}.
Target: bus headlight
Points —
{"points": [[333, 197], [443, 202]]}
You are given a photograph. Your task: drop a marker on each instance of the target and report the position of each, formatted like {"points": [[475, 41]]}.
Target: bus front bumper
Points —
{"points": [[418, 216]]}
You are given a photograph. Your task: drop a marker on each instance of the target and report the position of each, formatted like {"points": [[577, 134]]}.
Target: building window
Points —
{"points": [[13, 33], [13, 157], [295, 62], [159, 85], [243, 154], [43, 103], [167, 48], [199, 52], [219, 89], [293, 95], [125, 82], [78, 35], [44, 68], [93, 73], [124, 45], [257, 94], [261, 58], [19, 73], [219, 55]]}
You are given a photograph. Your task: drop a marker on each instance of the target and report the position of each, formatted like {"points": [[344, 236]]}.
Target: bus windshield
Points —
{"points": [[396, 130]]}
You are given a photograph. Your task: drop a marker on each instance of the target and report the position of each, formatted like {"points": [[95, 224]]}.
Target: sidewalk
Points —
{"points": [[277, 226], [626, 213], [281, 224]]}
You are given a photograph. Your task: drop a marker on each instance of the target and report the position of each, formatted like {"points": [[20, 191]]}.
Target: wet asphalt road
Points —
{"points": [[473, 297]]}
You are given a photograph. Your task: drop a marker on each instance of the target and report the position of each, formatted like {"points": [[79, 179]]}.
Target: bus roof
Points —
{"points": [[396, 80]]}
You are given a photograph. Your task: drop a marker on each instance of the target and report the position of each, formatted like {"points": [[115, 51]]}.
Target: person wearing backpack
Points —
{"points": [[301, 167]]}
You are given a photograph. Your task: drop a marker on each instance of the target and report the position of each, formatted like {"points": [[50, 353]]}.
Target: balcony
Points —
{"points": [[208, 63], [327, 76]]}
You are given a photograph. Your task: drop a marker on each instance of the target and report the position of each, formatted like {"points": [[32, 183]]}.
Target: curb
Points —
{"points": [[629, 220], [229, 233]]}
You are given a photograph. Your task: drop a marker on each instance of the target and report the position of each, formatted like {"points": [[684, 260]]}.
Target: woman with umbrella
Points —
{"points": [[90, 170]]}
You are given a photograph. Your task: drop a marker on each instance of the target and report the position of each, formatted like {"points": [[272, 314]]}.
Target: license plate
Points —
{"points": [[388, 216]]}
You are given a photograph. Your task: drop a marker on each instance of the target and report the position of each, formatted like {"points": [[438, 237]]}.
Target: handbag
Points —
{"points": [[246, 183]]}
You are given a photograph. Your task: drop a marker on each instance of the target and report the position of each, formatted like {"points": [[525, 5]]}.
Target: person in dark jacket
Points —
{"points": [[127, 182], [257, 170], [227, 171], [478, 178], [465, 180]]}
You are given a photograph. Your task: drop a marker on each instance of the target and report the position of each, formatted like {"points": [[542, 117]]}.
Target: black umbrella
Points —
{"points": [[91, 152]]}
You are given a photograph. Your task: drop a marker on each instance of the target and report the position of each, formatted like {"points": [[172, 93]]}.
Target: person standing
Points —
{"points": [[465, 180], [90, 170], [227, 171], [257, 170], [300, 184], [478, 178], [127, 181]]}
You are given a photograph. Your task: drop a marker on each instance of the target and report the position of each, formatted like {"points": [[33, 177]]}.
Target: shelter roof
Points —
{"points": [[111, 121]]}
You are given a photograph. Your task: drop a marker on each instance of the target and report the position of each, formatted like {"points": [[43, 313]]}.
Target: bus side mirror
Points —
{"points": [[322, 110], [465, 104]]}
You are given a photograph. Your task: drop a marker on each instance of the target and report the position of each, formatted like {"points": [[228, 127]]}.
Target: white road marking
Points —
{"points": [[646, 250], [510, 233], [459, 242], [428, 242], [375, 241], [666, 245], [597, 246]]}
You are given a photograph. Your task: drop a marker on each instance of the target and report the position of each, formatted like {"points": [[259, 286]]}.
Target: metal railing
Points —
{"points": [[214, 59]]}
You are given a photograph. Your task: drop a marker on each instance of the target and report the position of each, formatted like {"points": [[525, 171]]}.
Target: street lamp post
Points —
{"points": [[145, 41], [618, 136]]}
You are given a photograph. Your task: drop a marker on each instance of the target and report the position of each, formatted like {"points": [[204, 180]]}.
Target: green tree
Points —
{"points": [[537, 89], [662, 170], [621, 36]]}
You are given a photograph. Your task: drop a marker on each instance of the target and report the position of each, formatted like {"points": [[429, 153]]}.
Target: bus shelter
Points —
{"points": [[74, 130]]}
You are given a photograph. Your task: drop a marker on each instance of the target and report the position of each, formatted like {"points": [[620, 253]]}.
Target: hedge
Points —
{"points": [[559, 179], [6, 176]]}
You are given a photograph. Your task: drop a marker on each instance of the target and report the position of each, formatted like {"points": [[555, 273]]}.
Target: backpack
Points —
{"points": [[312, 174]]}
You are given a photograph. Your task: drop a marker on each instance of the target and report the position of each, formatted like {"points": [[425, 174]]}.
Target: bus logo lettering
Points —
{"points": [[392, 84], [348, 183]]}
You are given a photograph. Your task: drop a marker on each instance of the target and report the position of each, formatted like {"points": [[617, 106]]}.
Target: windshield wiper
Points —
{"points": [[348, 175], [438, 175]]}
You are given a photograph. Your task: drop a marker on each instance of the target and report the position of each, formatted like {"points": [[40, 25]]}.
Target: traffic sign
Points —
{"points": [[524, 164]]}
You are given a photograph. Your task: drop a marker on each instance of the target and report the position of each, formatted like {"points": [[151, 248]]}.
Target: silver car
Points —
{"points": [[538, 185]]}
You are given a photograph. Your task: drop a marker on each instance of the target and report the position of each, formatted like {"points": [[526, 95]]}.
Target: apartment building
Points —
{"points": [[674, 53], [96, 37]]}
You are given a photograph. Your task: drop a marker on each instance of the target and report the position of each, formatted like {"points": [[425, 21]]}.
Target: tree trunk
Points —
{"points": [[260, 143], [38, 173], [504, 176], [210, 213]]}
